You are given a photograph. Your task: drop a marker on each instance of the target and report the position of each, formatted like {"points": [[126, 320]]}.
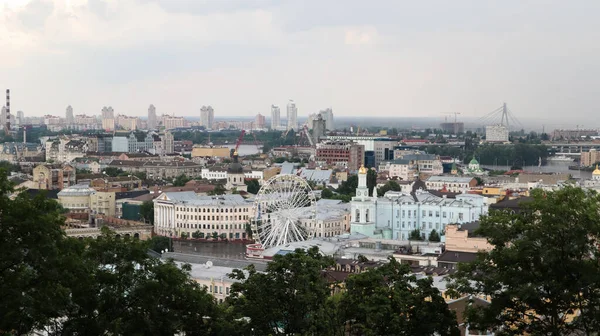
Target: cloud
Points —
{"points": [[360, 36]]}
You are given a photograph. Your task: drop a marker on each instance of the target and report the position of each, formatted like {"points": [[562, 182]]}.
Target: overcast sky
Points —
{"points": [[362, 58]]}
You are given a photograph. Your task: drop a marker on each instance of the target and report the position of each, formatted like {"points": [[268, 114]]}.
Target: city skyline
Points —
{"points": [[396, 59]]}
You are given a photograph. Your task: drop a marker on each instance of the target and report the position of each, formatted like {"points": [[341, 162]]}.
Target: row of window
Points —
{"points": [[210, 209], [424, 213], [218, 290], [211, 218], [208, 226]]}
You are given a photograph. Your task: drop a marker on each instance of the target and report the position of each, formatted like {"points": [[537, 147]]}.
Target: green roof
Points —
{"points": [[474, 161]]}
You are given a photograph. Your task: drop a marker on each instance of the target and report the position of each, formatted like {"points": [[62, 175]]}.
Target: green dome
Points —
{"points": [[473, 161]]}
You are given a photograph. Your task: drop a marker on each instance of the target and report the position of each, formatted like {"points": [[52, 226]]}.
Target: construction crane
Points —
{"points": [[307, 133], [238, 143]]}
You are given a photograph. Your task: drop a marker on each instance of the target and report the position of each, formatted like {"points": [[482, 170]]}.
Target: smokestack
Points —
{"points": [[7, 127]]}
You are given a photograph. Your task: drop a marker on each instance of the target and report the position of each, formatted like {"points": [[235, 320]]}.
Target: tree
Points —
{"points": [[415, 235], [288, 298], [253, 186], [349, 186], [479, 180], [215, 235], [159, 244], [371, 180], [326, 193], [122, 289], [219, 190], [185, 235], [147, 211], [181, 180], [223, 236], [37, 264], [113, 171], [248, 230], [389, 300], [390, 186], [543, 267], [434, 236], [196, 234]]}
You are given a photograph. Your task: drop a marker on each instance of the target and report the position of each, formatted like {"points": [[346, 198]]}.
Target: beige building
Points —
{"points": [[462, 238], [333, 218], [76, 198], [590, 158], [103, 202], [213, 152], [48, 177], [187, 212]]}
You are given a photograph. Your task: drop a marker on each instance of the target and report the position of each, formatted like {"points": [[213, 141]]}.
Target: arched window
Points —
{"points": [[366, 215], [357, 218]]}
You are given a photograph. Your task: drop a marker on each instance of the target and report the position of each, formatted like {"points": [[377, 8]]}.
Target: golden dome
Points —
{"points": [[362, 170], [235, 153], [596, 171]]}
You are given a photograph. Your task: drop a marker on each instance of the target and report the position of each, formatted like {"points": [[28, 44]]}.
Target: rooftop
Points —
{"points": [[450, 179], [191, 198], [77, 190]]}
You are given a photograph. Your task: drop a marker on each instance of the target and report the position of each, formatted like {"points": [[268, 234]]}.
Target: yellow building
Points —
{"points": [[76, 198], [222, 152], [102, 202]]}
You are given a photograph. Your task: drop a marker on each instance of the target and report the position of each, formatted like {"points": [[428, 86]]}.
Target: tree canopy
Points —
{"points": [[543, 269]]}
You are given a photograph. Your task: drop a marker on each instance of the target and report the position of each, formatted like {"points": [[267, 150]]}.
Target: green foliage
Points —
{"points": [[35, 272], [434, 236], [248, 230], [82, 171], [159, 244], [517, 155], [479, 180], [415, 235], [196, 234], [147, 211], [389, 300], [253, 186], [181, 180], [290, 295], [349, 186], [184, 235], [215, 235], [113, 171], [117, 275], [326, 193], [389, 186], [544, 267], [371, 180], [223, 236], [219, 190]]}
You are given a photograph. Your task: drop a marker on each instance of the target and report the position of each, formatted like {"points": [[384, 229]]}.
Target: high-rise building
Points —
{"points": [[292, 116], [207, 117], [327, 114], [69, 115], [318, 128], [152, 117], [20, 118], [275, 117], [171, 122], [108, 118], [259, 121], [496, 133]]}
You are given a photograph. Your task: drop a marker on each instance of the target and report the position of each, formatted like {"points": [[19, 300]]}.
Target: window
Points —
{"points": [[444, 214], [430, 213], [423, 213], [430, 225], [403, 213], [460, 216], [437, 214], [227, 290]]}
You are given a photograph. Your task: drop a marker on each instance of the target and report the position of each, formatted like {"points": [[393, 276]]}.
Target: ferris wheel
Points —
{"points": [[285, 210]]}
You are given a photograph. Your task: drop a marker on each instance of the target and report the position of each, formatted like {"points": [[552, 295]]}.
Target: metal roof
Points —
{"points": [[191, 198]]}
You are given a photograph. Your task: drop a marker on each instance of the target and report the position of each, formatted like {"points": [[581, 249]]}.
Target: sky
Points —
{"points": [[382, 58]]}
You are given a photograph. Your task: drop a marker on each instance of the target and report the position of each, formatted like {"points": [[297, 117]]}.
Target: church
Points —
{"points": [[396, 214]]}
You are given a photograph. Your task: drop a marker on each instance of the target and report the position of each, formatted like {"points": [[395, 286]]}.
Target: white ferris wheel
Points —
{"points": [[284, 210]]}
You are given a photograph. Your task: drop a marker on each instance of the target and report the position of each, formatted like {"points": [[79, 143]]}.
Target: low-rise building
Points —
{"points": [[462, 238], [344, 154], [53, 176], [332, 219], [159, 169], [450, 183], [187, 212]]}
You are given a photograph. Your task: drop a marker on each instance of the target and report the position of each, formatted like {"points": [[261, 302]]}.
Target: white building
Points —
{"points": [[275, 117], [152, 123], [186, 212], [207, 117], [496, 133], [396, 214], [171, 122], [450, 183], [292, 116], [69, 119], [333, 218], [327, 115], [363, 208]]}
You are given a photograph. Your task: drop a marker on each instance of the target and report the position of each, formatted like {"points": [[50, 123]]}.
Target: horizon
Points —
{"points": [[398, 59]]}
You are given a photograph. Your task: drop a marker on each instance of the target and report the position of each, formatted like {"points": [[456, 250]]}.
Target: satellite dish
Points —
{"points": [[209, 264]]}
